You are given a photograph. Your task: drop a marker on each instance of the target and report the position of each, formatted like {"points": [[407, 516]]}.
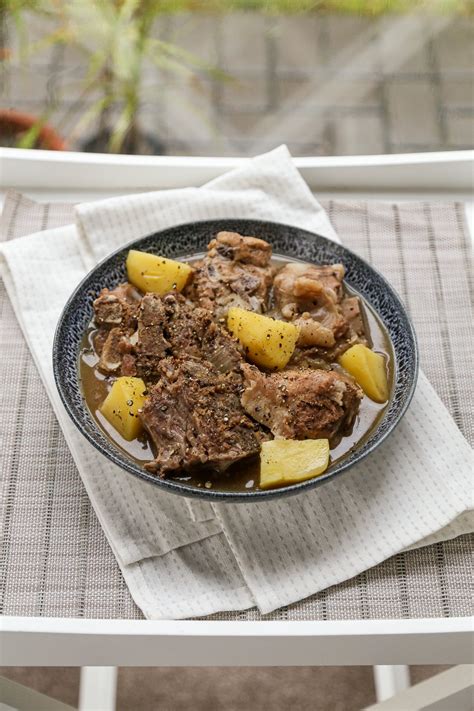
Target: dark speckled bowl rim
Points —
{"points": [[115, 455]]}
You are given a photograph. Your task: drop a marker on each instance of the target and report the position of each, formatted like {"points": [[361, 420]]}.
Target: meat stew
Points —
{"points": [[209, 405]]}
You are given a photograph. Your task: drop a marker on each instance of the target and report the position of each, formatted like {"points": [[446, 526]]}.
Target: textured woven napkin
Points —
{"points": [[415, 490]]}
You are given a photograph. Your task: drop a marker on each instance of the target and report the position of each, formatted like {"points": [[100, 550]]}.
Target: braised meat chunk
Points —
{"points": [[329, 321], [312, 291], [193, 412], [117, 348], [171, 326], [151, 341], [117, 307], [352, 312], [235, 272], [313, 333], [248, 250], [115, 313], [194, 418], [301, 404], [160, 327]]}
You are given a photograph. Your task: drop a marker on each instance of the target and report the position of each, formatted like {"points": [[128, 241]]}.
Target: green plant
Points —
{"points": [[13, 14], [116, 37], [359, 7], [117, 42]]}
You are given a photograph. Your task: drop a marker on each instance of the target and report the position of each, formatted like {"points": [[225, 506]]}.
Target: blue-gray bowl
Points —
{"points": [[192, 238]]}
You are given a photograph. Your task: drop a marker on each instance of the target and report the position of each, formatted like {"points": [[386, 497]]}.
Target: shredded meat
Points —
{"points": [[194, 417], [235, 272], [301, 404]]}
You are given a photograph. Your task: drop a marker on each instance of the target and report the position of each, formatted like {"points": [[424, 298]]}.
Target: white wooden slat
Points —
{"points": [[98, 688], [17, 697], [390, 680], [451, 690], [78, 642], [20, 168]]}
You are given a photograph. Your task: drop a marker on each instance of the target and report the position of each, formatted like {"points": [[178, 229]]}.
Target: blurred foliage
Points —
{"points": [[360, 7], [115, 38], [117, 42]]}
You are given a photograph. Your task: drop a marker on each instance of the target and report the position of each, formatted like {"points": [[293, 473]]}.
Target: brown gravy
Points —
{"points": [[243, 475]]}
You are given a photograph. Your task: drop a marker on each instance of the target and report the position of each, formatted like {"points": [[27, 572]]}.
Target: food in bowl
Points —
{"points": [[236, 370]]}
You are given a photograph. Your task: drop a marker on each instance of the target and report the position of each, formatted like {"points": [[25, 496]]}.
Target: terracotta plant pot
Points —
{"points": [[14, 123]]}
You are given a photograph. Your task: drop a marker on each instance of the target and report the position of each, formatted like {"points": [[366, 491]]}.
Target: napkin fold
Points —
{"points": [[183, 558]]}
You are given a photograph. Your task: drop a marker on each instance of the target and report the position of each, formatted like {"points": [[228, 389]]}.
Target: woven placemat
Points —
{"points": [[54, 558]]}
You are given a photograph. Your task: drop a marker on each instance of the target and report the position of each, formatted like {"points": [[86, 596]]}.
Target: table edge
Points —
{"points": [[76, 642]]}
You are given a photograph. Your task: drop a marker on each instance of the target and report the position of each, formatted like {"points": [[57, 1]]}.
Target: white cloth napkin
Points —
{"points": [[182, 560]]}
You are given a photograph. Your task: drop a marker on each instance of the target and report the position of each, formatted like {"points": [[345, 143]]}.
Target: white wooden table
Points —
{"points": [[34, 641]]}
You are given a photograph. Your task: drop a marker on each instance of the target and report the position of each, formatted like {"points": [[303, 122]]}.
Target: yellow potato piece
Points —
{"points": [[267, 342], [150, 272], [368, 369], [288, 461], [121, 406]]}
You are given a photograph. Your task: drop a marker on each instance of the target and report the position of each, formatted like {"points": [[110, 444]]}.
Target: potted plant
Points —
{"points": [[22, 130], [118, 37], [17, 128], [117, 42]]}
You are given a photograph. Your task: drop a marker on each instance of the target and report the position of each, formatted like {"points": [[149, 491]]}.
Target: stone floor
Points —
{"points": [[324, 84], [223, 689]]}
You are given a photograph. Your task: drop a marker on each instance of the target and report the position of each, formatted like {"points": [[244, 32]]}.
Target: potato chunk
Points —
{"points": [[121, 406], [267, 342], [288, 461], [369, 370], [159, 275]]}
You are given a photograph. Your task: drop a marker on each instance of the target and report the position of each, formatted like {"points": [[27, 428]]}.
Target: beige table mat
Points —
{"points": [[54, 559]]}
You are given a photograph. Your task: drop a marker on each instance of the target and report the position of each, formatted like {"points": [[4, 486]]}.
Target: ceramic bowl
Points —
{"points": [[186, 240]]}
